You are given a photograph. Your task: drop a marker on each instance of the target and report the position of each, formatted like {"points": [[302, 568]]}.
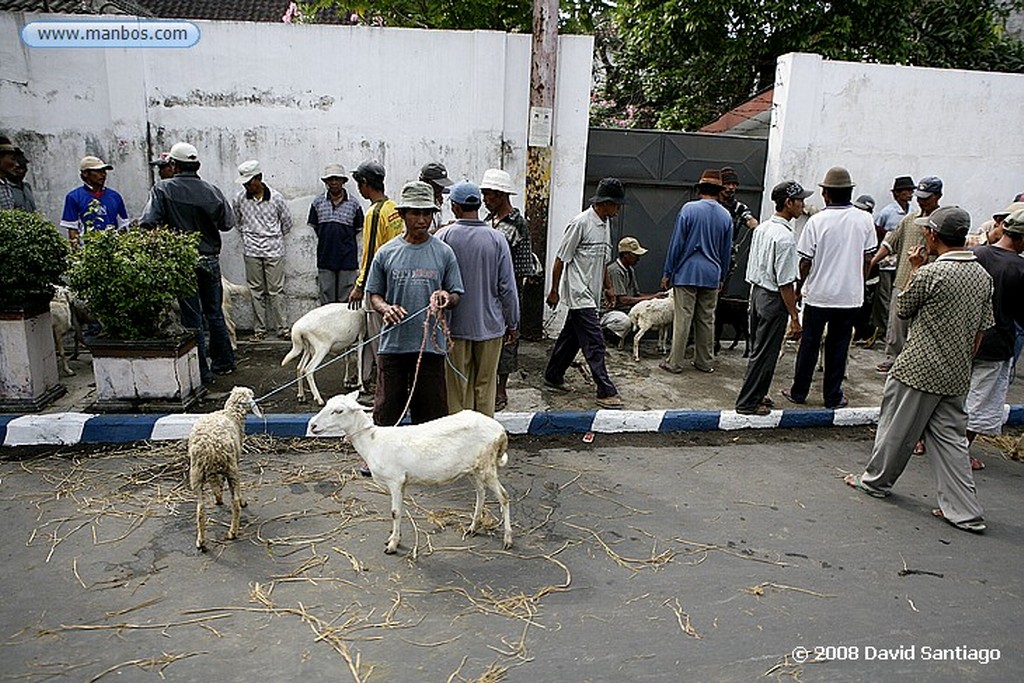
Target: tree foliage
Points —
{"points": [[679, 64]]}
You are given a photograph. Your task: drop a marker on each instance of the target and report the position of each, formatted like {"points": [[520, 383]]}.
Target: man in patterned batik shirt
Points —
{"points": [[949, 305]]}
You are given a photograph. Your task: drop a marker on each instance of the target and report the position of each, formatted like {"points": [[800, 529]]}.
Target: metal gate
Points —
{"points": [[659, 170]]}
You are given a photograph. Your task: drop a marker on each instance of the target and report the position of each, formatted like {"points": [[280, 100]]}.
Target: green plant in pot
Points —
{"points": [[131, 277], [34, 256]]}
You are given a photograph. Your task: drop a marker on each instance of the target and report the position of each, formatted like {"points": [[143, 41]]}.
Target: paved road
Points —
{"points": [[657, 562]]}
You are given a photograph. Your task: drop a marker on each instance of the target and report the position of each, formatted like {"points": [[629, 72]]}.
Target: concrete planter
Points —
{"points": [[28, 358], [146, 376]]}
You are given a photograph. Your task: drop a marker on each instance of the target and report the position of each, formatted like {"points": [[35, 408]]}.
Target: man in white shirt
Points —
{"points": [[835, 248]]}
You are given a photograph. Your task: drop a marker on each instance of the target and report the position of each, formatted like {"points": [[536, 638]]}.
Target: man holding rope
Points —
{"points": [[415, 276]]}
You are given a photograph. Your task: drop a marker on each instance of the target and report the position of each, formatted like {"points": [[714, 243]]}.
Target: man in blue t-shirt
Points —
{"points": [[407, 274], [93, 206]]}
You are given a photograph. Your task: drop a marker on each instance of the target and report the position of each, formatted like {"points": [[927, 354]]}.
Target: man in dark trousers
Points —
{"points": [[772, 274], [188, 203], [579, 278]]}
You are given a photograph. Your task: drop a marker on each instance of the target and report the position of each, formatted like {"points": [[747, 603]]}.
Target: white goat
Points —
{"points": [[652, 314], [60, 315], [435, 452], [331, 327], [214, 446], [230, 289]]}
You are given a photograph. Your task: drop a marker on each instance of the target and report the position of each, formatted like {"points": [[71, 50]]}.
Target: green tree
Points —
{"points": [[683, 64], [679, 64]]}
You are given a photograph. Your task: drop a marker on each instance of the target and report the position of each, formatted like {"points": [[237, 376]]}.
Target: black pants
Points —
{"points": [[205, 304], [768, 320], [395, 373], [839, 322], [582, 332]]}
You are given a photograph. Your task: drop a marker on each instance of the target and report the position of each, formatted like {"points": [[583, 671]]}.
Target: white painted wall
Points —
{"points": [[882, 121], [295, 97]]}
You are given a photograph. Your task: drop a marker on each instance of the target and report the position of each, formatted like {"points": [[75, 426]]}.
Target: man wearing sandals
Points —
{"points": [[949, 305]]}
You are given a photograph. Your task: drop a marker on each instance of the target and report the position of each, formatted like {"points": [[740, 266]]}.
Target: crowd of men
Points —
{"points": [[443, 299]]}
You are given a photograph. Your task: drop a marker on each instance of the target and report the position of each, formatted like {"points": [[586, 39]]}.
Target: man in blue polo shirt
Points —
{"points": [[93, 206], [337, 219]]}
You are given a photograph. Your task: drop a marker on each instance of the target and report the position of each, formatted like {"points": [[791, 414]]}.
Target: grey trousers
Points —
{"points": [[896, 330], [696, 305], [908, 415], [265, 277], [768, 320], [335, 285], [883, 296]]}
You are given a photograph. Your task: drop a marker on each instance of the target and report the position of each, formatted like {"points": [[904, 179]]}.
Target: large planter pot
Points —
{"points": [[28, 358], [152, 376]]}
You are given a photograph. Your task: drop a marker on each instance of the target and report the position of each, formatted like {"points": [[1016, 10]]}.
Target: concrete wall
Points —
{"points": [[295, 97], [883, 121]]}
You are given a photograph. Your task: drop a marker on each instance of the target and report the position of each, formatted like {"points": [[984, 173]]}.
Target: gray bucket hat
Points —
{"points": [[417, 195]]}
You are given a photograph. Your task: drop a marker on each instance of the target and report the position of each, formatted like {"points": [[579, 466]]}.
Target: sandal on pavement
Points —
{"points": [[761, 409], [500, 404], [974, 526], [884, 367], [854, 481], [919, 448], [557, 386], [789, 397], [668, 368], [610, 402], [976, 464], [706, 371], [767, 401]]}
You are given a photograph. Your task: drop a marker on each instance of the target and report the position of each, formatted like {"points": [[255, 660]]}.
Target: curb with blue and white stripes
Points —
{"points": [[67, 429]]}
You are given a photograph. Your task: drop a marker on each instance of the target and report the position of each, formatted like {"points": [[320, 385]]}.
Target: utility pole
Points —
{"points": [[543, 62]]}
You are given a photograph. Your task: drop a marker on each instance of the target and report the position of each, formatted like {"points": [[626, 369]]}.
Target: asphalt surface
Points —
{"points": [[638, 560]]}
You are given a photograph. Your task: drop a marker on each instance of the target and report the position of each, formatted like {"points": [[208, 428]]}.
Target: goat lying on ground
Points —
{"points": [[331, 327], [60, 315], [214, 446], [229, 290], [652, 314], [435, 452]]}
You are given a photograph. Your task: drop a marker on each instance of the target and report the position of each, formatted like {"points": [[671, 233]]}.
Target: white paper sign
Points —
{"points": [[540, 127]]}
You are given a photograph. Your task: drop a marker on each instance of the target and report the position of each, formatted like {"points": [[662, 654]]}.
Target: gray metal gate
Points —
{"points": [[659, 170]]}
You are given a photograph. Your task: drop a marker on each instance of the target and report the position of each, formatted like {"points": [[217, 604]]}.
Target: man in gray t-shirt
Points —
{"points": [[407, 274]]}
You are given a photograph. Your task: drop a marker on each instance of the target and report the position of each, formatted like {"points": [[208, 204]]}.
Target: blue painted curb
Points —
{"points": [[83, 428]]}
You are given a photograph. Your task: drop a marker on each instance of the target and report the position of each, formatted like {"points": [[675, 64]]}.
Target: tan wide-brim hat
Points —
{"points": [[837, 178], [334, 171]]}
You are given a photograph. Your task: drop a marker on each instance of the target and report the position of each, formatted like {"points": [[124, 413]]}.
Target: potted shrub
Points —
{"points": [[33, 257], [132, 279]]}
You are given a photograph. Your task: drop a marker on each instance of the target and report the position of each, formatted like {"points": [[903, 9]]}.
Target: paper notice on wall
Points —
{"points": [[540, 127]]}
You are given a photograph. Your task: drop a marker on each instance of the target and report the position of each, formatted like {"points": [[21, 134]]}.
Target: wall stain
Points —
{"points": [[266, 98]]}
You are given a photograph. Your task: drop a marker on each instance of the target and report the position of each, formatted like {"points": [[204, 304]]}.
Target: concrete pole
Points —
{"points": [[543, 62]]}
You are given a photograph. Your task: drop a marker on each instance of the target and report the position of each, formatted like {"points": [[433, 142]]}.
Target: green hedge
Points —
{"points": [[33, 256]]}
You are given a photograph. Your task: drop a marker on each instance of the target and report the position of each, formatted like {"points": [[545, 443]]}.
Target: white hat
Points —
{"points": [[182, 151], [247, 170], [334, 171], [497, 180], [94, 164]]}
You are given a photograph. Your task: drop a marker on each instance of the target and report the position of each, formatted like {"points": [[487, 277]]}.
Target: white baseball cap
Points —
{"points": [[247, 170], [182, 151]]}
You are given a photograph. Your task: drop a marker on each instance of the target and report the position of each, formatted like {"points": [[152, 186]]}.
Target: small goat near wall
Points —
{"points": [[214, 447], [436, 452], [650, 314], [331, 327]]}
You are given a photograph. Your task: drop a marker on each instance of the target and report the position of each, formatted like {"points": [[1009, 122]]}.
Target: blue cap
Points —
{"points": [[926, 187], [466, 194]]}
